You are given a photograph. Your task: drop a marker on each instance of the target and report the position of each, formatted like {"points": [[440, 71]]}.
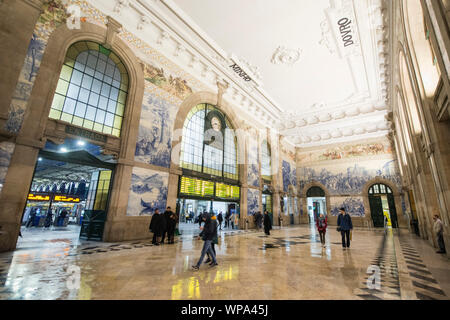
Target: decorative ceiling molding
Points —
{"points": [[283, 55]]}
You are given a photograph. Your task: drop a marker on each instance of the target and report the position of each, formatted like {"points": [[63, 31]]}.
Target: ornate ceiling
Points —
{"points": [[316, 70]]}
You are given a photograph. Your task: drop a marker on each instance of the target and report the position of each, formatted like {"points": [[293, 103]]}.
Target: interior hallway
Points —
{"points": [[289, 264]]}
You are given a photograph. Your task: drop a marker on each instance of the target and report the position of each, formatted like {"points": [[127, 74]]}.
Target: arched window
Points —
{"points": [[266, 168], [92, 89], [419, 40], [315, 192], [380, 188], [410, 97], [209, 143]]}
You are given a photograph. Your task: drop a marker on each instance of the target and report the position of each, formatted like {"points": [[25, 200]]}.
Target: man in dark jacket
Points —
{"points": [[171, 224], [167, 225], [345, 225], [157, 226], [207, 234], [267, 223], [220, 219]]}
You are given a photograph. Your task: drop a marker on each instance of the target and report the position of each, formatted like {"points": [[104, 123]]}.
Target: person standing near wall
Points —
{"points": [[220, 219], [321, 224], [267, 223], [156, 227], [438, 229], [345, 226]]}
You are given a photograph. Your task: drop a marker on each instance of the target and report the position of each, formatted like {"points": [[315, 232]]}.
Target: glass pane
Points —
{"points": [[93, 99], [58, 102], [66, 73], [87, 82], [80, 109], [103, 103], [382, 188], [69, 105], [109, 120], [73, 91], [76, 77], [84, 95], [90, 114], [376, 189], [100, 117]]}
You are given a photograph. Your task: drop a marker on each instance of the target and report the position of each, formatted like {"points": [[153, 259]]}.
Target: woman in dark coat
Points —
{"points": [[267, 223]]}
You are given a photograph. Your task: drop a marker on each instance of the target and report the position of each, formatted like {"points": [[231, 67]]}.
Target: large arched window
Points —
{"points": [[92, 89], [266, 168], [418, 37], [409, 95], [209, 143]]}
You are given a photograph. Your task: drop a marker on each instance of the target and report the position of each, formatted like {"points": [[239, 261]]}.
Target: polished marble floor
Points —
{"points": [[289, 264]]}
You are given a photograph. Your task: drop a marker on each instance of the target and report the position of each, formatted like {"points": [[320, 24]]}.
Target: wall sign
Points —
{"points": [[346, 31], [85, 134], [240, 72]]}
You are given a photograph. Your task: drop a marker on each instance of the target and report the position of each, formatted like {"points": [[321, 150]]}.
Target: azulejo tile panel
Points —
{"points": [[289, 175], [345, 179], [353, 205], [148, 192], [154, 144], [252, 201], [6, 151]]}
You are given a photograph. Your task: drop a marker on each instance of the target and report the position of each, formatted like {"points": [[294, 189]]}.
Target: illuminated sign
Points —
{"points": [[66, 199], [56, 198], [38, 197]]}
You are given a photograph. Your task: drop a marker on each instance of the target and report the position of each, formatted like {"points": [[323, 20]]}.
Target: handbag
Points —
{"points": [[338, 229]]}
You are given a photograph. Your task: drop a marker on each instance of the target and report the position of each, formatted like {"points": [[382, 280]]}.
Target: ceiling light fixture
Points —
{"points": [[81, 143], [62, 149]]}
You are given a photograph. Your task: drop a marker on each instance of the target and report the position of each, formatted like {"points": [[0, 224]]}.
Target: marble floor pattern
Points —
{"points": [[290, 264]]}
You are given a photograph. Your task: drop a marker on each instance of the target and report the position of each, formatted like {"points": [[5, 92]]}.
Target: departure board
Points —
{"points": [[226, 191], [196, 187]]}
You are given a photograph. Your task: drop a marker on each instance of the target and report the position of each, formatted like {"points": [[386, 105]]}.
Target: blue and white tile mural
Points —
{"points": [[354, 206], [253, 166], [289, 176], [148, 192], [25, 84], [252, 201], [6, 151], [154, 142], [349, 180]]}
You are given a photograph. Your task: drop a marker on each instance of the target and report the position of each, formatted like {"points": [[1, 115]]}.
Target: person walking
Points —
{"points": [[345, 226], [156, 226], [220, 219], [227, 220], [31, 218], [438, 229], [207, 236], [267, 223], [48, 218], [214, 241], [321, 224]]}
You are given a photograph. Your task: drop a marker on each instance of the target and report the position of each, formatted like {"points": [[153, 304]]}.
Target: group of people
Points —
{"points": [[59, 220], [162, 225], [344, 226], [263, 219]]}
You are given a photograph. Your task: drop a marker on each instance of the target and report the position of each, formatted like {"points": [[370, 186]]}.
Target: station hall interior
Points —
{"points": [[112, 109]]}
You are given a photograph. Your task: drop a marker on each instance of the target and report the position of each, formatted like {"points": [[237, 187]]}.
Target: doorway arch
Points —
{"points": [[382, 206], [311, 191]]}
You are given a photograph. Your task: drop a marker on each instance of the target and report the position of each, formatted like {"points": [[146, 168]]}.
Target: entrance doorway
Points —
{"points": [[192, 209], [267, 205], [68, 197], [316, 203], [382, 206]]}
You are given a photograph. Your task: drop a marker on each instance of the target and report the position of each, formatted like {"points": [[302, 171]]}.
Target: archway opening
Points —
{"points": [[382, 206], [208, 160], [316, 202]]}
